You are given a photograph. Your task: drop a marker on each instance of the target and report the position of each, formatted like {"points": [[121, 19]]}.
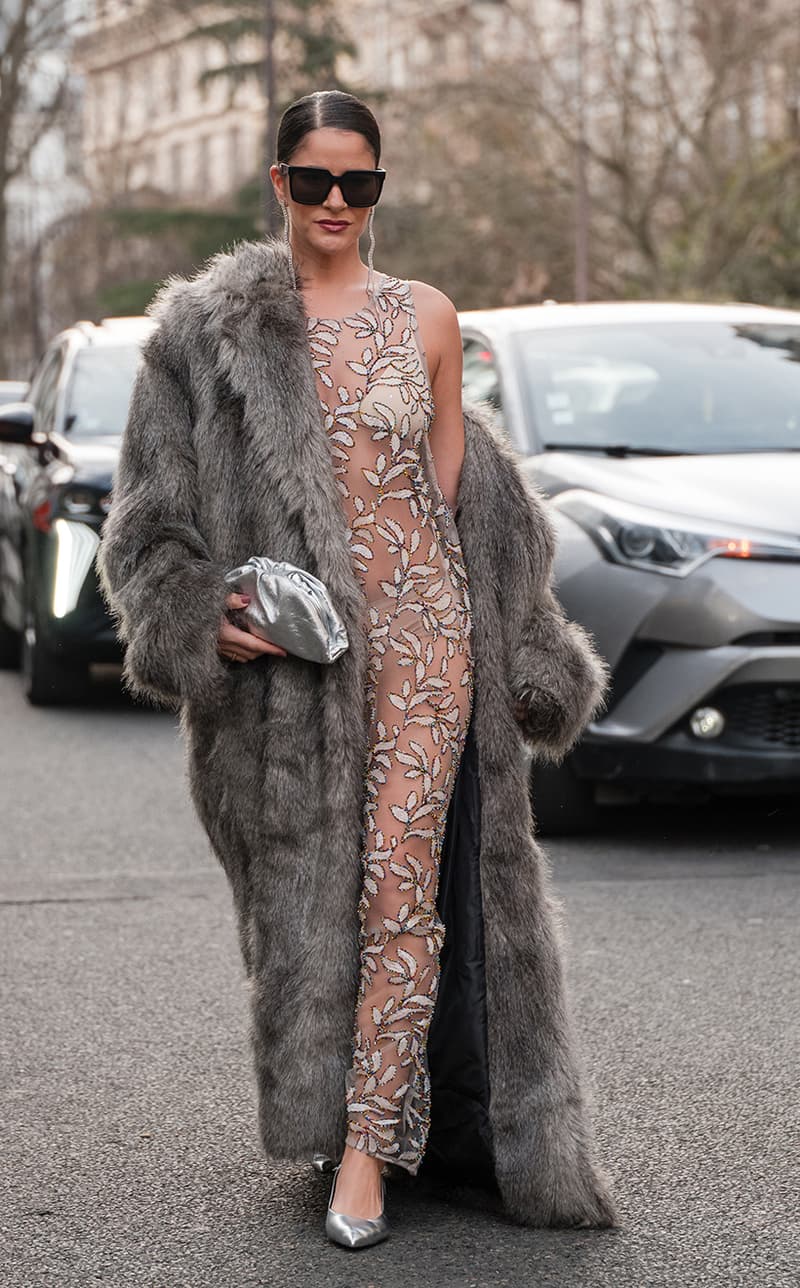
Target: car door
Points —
{"points": [[23, 485]]}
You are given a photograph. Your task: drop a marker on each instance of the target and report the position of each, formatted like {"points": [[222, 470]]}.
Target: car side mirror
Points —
{"points": [[16, 423]]}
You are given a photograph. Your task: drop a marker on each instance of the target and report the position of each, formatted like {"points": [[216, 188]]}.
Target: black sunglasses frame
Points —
{"points": [[342, 180]]}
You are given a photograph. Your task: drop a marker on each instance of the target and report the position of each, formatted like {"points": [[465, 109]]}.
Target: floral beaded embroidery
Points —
{"points": [[378, 407]]}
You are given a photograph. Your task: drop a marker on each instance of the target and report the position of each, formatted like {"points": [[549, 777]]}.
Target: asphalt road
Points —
{"points": [[130, 1153]]}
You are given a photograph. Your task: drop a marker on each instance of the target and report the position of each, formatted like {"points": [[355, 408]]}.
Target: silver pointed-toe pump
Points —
{"points": [[356, 1231]]}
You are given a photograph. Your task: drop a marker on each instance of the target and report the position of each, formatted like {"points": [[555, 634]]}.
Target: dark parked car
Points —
{"points": [[668, 437], [58, 450]]}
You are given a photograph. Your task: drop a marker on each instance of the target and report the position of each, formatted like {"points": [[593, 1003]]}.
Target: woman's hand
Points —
{"points": [[242, 646]]}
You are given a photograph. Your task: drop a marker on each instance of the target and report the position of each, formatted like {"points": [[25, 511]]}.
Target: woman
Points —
{"points": [[293, 402]]}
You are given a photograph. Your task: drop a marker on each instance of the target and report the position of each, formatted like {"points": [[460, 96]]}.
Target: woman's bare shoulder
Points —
{"points": [[432, 302], [438, 324]]}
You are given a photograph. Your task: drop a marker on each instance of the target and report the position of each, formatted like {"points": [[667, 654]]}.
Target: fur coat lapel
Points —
{"points": [[225, 455], [255, 310]]}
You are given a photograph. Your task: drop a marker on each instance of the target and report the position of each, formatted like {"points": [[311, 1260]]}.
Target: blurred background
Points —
{"points": [[593, 149]]}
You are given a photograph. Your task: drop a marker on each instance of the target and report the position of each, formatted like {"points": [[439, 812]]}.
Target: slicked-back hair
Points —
{"points": [[326, 109]]}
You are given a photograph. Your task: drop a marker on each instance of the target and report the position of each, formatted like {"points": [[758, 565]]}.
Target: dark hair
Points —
{"points": [[327, 109]]}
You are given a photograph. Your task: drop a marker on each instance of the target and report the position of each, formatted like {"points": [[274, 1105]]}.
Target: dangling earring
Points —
{"points": [[287, 225], [370, 253]]}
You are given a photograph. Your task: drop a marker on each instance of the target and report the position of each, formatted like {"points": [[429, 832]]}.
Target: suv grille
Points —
{"points": [[760, 715], [759, 639]]}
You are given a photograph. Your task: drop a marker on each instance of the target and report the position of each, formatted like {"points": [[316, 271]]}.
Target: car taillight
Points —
{"points": [[42, 516]]}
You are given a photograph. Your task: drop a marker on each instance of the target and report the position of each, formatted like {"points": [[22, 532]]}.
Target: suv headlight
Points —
{"points": [[76, 547], [659, 541]]}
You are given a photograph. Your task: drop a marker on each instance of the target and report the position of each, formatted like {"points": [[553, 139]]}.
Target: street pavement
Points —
{"points": [[130, 1152]]}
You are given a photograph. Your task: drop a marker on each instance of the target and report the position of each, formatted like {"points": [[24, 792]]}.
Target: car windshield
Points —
{"points": [[100, 389], [693, 386]]}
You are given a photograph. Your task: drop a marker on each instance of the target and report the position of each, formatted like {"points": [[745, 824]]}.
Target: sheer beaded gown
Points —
{"points": [[378, 406]]}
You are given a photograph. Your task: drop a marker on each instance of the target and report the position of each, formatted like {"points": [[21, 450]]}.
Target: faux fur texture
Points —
{"points": [[225, 456]]}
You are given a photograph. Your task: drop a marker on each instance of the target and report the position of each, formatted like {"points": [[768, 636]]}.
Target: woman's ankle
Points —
{"points": [[363, 1160]]}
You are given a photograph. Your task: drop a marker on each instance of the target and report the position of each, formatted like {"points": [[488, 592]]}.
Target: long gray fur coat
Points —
{"points": [[225, 456]]}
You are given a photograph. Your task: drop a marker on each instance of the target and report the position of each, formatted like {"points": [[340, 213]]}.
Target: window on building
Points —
{"points": [[123, 91], [204, 163], [474, 42], [234, 156], [147, 88], [99, 108], [420, 50], [436, 53], [174, 80], [792, 91], [175, 178], [204, 64], [144, 171]]}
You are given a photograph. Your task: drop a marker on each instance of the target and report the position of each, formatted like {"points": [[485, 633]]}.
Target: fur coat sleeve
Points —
{"points": [[556, 680], [165, 594]]}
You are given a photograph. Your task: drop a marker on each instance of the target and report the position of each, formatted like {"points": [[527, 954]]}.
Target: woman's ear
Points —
{"points": [[278, 183]]}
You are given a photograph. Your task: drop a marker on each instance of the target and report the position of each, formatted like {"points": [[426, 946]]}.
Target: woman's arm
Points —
{"points": [[441, 337]]}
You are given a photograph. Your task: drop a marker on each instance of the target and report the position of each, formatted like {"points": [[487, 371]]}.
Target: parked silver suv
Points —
{"points": [[668, 437]]}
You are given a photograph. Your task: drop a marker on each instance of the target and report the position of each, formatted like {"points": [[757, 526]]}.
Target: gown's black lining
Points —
{"points": [[460, 1140]]}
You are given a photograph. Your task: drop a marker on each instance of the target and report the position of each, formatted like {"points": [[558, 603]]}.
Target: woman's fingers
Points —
{"points": [[259, 647], [235, 656], [249, 643], [244, 646], [235, 600]]}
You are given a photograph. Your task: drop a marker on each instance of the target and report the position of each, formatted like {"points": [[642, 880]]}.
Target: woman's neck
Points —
{"points": [[328, 272], [328, 281]]}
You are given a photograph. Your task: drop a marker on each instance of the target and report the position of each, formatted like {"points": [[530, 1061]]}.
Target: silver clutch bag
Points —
{"points": [[290, 607]]}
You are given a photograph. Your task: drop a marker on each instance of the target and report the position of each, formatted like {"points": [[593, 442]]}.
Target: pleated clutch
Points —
{"points": [[289, 607]]}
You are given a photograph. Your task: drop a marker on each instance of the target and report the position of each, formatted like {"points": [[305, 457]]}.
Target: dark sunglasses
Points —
{"points": [[309, 185]]}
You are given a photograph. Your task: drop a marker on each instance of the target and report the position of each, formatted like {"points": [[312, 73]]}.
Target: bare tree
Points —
{"points": [[691, 139], [675, 153], [32, 92]]}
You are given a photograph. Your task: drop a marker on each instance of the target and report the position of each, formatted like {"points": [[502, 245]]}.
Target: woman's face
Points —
{"points": [[333, 226]]}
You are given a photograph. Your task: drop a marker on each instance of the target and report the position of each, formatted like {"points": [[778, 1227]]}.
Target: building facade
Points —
{"points": [[155, 116], [408, 44], [157, 119]]}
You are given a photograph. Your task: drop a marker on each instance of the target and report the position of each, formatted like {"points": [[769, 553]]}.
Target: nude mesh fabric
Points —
{"points": [[378, 407]]}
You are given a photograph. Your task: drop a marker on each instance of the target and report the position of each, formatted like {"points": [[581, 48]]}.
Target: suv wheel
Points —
{"points": [[46, 678], [563, 804]]}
